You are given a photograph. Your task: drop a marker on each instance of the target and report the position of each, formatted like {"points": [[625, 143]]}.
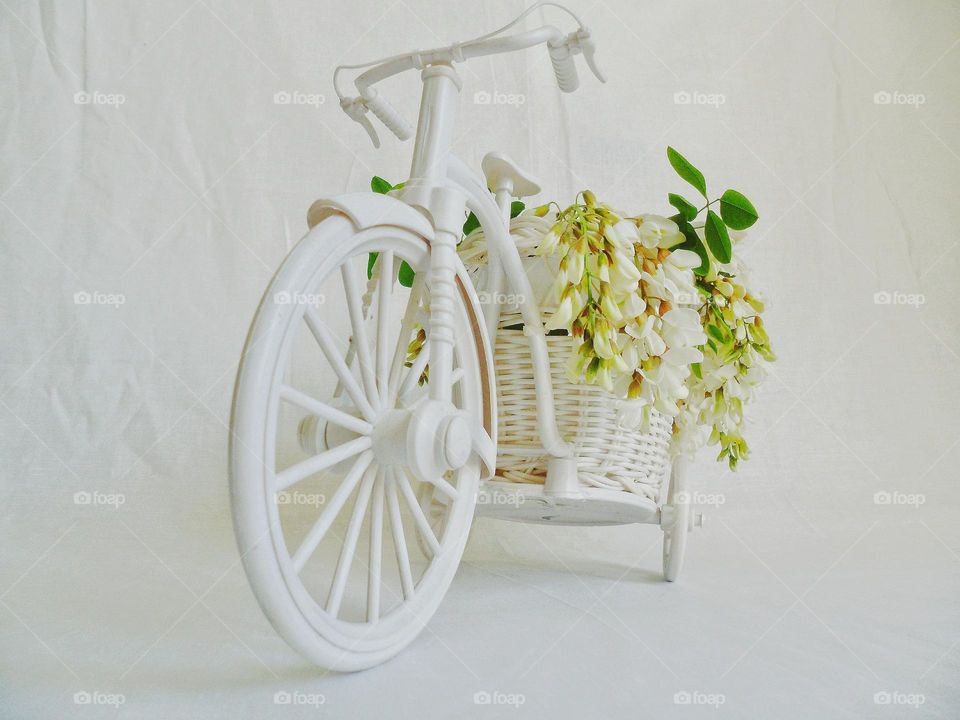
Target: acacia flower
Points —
{"points": [[681, 327], [656, 231]]}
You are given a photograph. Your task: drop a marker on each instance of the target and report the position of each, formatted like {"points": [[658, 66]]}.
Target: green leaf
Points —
{"points": [[716, 332], [687, 171], [694, 243], [379, 185], [686, 208], [516, 207], [471, 224], [697, 370], [718, 238], [737, 212], [406, 274]]}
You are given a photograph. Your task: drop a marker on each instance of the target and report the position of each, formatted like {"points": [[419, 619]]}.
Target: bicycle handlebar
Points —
{"points": [[561, 49], [387, 114], [564, 67]]}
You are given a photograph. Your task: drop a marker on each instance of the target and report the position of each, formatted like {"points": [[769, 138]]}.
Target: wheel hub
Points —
{"points": [[431, 438]]}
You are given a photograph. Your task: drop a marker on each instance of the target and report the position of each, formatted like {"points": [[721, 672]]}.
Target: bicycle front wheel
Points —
{"points": [[325, 501]]}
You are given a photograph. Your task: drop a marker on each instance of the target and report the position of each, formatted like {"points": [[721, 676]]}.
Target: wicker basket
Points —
{"points": [[609, 454]]}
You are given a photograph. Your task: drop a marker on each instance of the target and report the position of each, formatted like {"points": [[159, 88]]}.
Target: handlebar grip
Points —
{"points": [[564, 68], [387, 114]]}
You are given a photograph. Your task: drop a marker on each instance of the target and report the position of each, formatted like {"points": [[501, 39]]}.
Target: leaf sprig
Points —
{"points": [[736, 213]]}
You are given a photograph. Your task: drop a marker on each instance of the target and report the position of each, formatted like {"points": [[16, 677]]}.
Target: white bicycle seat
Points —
{"points": [[503, 173]]}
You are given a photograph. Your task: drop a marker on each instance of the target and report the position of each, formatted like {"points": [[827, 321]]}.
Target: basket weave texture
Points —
{"points": [[610, 453]]}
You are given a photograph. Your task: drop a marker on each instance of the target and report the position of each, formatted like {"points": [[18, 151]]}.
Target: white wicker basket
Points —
{"points": [[609, 454]]}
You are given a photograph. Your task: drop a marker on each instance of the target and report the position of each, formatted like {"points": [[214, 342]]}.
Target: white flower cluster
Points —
{"points": [[732, 367], [646, 329], [629, 296]]}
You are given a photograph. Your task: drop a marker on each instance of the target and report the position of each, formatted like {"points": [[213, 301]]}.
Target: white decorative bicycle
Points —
{"points": [[408, 442]]}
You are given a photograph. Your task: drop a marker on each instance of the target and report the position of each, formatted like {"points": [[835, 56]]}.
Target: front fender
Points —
{"points": [[367, 209]]}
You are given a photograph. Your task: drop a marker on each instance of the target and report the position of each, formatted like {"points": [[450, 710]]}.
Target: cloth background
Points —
{"points": [[802, 597]]}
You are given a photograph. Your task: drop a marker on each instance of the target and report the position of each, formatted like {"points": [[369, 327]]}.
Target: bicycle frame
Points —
{"points": [[444, 187]]}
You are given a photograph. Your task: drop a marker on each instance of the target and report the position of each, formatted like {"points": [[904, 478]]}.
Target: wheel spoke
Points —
{"points": [[384, 293], [327, 412], [316, 534], [349, 545], [423, 525], [328, 458], [325, 340], [406, 329], [399, 542], [351, 349], [376, 550], [446, 488], [360, 339]]}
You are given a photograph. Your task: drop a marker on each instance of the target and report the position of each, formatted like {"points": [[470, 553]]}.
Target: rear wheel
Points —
{"points": [[325, 489]]}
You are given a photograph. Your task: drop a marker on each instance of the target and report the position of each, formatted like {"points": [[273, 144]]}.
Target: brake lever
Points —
{"points": [[589, 49], [356, 109]]}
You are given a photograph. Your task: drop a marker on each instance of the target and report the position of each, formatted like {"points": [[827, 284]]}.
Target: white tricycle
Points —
{"points": [[409, 440]]}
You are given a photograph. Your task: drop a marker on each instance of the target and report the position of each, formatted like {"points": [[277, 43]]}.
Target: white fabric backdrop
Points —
{"points": [[803, 597]]}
